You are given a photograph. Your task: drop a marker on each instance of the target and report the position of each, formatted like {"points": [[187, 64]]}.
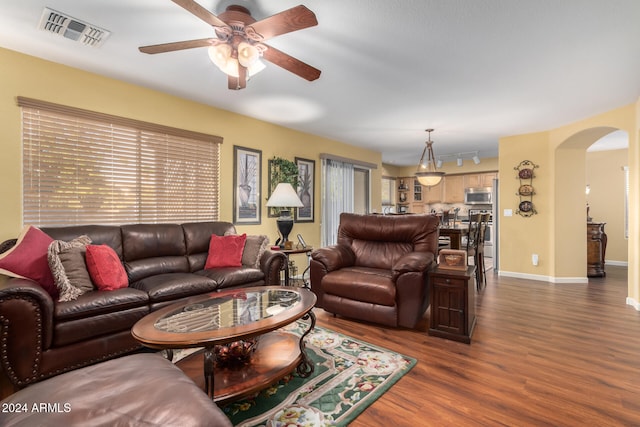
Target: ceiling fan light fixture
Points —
{"points": [[426, 173], [247, 54], [220, 55], [256, 67]]}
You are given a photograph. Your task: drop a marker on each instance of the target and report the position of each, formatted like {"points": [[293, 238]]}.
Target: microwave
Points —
{"points": [[478, 196]]}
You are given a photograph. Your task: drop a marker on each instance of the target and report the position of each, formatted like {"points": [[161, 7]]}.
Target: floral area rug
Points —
{"points": [[349, 376]]}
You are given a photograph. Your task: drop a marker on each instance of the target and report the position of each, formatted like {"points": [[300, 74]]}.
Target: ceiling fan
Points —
{"points": [[240, 41]]}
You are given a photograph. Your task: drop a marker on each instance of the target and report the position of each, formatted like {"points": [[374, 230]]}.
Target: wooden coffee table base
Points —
{"points": [[277, 354]]}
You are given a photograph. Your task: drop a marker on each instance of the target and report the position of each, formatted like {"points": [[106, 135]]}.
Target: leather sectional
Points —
{"points": [[165, 263]]}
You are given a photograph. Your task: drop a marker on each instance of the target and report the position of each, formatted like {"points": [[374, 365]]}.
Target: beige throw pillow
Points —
{"points": [[69, 268], [254, 247]]}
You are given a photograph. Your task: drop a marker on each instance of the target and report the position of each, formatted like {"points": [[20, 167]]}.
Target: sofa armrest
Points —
{"points": [[26, 320], [271, 264], [412, 262], [334, 257]]}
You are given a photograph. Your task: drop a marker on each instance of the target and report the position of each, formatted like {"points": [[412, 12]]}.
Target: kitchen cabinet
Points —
{"points": [[478, 180], [403, 192], [454, 189], [410, 195], [433, 194]]}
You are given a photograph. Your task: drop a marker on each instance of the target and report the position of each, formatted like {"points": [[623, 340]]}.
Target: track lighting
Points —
{"points": [[473, 155]]}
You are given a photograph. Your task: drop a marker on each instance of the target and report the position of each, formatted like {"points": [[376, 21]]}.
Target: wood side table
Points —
{"points": [[453, 303], [288, 252]]}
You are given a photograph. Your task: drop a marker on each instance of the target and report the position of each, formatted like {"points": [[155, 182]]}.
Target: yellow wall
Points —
{"points": [[560, 200], [520, 236], [605, 176], [22, 75]]}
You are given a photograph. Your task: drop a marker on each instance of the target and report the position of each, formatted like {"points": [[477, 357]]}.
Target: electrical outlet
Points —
{"points": [[534, 259]]}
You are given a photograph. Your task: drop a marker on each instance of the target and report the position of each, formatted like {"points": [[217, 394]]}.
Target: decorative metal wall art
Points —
{"points": [[525, 190]]}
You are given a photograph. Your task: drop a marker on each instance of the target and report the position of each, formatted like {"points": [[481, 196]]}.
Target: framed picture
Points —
{"points": [[247, 173], [306, 189]]}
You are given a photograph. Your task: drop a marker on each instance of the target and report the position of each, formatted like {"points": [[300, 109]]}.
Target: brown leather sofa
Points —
{"points": [[164, 263], [378, 270]]}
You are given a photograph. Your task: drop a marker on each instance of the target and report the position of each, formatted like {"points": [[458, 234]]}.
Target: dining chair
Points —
{"points": [[473, 242], [479, 252]]}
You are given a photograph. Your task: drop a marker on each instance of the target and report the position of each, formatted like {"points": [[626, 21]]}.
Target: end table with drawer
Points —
{"points": [[453, 303]]}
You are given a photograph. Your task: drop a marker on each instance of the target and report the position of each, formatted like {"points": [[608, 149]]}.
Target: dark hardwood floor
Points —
{"points": [[541, 354]]}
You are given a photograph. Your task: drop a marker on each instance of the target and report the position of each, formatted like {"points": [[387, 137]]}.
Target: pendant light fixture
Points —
{"points": [[426, 172]]}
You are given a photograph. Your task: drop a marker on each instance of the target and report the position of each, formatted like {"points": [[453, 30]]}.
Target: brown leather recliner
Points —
{"points": [[378, 270]]}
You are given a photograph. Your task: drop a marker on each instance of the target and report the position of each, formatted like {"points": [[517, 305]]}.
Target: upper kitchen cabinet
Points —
{"points": [[478, 180], [454, 189], [433, 194]]}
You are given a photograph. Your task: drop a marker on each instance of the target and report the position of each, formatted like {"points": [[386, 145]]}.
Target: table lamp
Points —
{"points": [[284, 197]]}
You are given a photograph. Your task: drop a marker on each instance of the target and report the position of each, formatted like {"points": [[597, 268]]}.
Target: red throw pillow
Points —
{"points": [[28, 259], [225, 251], [105, 269]]}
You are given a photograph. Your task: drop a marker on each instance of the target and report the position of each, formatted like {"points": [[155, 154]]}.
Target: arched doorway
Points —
{"points": [[570, 200]]}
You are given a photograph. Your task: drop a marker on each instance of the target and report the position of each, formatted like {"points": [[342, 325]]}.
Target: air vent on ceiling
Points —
{"points": [[71, 28]]}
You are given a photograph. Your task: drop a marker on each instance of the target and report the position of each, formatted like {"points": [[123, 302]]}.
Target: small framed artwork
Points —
{"points": [[306, 189], [247, 173]]}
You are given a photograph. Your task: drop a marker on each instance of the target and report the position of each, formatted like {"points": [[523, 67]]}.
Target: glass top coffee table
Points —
{"points": [[232, 316]]}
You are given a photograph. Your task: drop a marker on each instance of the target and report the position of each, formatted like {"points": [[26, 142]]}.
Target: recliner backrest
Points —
{"points": [[378, 241]]}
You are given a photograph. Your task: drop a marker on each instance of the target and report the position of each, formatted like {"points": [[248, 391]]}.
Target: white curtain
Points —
{"points": [[337, 197]]}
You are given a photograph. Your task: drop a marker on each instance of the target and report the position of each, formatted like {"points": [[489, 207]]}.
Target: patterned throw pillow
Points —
{"points": [[28, 259], [69, 269], [254, 247]]}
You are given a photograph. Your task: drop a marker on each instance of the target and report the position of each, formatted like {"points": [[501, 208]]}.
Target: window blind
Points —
{"points": [[82, 167]]}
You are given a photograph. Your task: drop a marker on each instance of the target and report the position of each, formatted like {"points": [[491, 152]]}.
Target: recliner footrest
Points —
{"points": [[136, 390]]}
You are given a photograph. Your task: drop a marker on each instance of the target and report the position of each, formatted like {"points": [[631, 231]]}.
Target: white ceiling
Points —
{"points": [[475, 70]]}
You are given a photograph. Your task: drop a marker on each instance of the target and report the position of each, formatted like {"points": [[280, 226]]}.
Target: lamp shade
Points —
{"points": [[220, 54], [284, 196], [247, 54]]}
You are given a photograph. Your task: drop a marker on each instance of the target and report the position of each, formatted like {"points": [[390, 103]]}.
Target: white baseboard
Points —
{"points": [[542, 278], [617, 263], [633, 303]]}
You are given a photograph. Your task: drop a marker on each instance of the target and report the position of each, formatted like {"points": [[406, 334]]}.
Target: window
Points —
{"points": [[345, 189], [82, 167]]}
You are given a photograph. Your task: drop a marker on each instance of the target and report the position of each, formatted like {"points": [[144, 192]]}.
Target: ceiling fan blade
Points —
{"points": [[202, 13], [170, 47], [294, 19], [291, 64]]}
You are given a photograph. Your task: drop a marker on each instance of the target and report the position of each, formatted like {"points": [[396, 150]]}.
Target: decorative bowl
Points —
{"points": [[235, 353], [453, 259]]}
